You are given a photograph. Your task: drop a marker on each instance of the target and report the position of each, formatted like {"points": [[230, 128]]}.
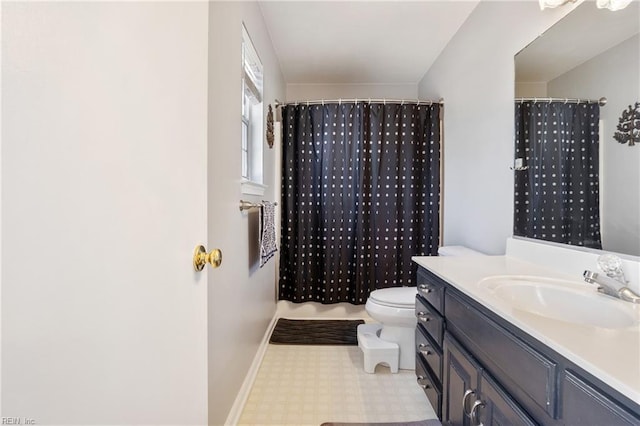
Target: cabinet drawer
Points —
{"points": [[431, 290], [524, 372], [585, 405], [430, 388], [430, 320], [430, 352]]}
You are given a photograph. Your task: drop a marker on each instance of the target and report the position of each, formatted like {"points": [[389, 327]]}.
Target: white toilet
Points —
{"points": [[391, 341]]}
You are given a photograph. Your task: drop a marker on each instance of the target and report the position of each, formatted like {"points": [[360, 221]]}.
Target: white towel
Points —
{"points": [[267, 232]]}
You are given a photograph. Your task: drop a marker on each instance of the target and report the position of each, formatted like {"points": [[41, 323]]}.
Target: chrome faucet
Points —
{"points": [[613, 282]]}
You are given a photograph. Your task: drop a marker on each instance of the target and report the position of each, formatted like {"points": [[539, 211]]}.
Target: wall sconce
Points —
{"points": [[612, 5], [552, 4]]}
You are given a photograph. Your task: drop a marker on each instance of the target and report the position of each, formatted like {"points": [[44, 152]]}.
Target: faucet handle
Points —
{"points": [[611, 265]]}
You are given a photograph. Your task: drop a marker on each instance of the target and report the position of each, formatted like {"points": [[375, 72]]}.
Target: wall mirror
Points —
{"points": [[574, 183]]}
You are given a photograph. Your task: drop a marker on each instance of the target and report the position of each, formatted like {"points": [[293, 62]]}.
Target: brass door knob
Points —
{"points": [[201, 258]]}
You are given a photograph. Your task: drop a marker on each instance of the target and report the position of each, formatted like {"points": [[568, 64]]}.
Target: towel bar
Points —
{"points": [[246, 205]]}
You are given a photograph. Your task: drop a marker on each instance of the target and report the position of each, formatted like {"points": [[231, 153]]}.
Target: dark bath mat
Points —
{"points": [[432, 422], [316, 332]]}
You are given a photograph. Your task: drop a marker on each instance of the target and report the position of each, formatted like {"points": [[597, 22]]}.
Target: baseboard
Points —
{"points": [[245, 389]]}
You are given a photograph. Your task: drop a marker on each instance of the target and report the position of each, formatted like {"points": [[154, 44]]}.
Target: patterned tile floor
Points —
{"points": [[309, 385]]}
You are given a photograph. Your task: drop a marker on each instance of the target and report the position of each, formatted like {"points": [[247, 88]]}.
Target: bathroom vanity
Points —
{"points": [[489, 356]]}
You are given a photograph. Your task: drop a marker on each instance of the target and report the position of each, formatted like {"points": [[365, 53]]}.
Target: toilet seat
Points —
{"points": [[395, 297]]}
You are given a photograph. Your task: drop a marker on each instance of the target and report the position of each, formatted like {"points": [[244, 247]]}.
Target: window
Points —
{"points": [[252, 116]]}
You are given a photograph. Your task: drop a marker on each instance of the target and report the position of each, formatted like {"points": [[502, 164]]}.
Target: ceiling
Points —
{"points": [[361, 42], [584, 33]]}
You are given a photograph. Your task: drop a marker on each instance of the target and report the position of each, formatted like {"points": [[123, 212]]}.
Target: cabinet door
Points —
{"points": [[585, 405], [496, 407], [460, 383]]}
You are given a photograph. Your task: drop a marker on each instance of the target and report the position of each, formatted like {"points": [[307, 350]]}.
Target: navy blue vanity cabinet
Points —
{"points": [[429, 385], [472, 396], [431, 289], [586, 405], [490, 372], [430, 320], [528, 375], [461, 379], [429, 335], [429, 351], [496, 407]]}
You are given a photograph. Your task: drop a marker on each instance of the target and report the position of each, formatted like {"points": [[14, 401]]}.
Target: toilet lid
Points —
{"points": [[397, 297]]}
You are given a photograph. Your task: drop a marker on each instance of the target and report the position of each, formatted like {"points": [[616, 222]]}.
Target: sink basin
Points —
{"points": [[561, 300]]}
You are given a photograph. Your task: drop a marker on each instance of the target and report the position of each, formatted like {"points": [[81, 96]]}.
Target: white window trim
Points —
{"points": [[248, 187], [253, 70]]}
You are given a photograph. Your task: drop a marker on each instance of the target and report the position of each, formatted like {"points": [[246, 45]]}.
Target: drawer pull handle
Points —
{"points": [[425, 288], [474, 412], [424, 317], [422, 385], [464, 401], [424, 351]]}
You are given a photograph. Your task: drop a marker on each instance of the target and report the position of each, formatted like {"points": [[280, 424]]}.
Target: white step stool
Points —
{"points": [[375, 350]]}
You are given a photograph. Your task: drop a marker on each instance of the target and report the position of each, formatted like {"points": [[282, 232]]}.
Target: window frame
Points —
{"points": [[252, 118]]}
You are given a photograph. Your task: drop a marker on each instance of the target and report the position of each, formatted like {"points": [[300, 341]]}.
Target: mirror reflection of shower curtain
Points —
{"points": [[557, 194], [360, 197]]}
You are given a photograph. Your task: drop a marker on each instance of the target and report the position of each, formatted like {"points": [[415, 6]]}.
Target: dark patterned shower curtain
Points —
{"points": [[557, 196], [361, 189]]}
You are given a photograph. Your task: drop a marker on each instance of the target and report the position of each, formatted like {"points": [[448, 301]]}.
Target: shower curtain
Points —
{"points": [[361, 190], [557, 195]]}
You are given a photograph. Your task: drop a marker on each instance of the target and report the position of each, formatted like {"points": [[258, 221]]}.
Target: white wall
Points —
{"points": [[531, 90], [103, 199], [297, 92], [614, 75], [241, 295], [475, 76]]}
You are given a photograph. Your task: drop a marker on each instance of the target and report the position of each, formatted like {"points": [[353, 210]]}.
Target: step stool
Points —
{"points": [[376, 350]]}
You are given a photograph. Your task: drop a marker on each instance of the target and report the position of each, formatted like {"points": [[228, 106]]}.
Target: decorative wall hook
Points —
{"points": [[270, 127], [629, 126]]}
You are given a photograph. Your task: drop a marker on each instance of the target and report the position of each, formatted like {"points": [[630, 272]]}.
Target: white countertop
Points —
{"points": [[612, 355]]}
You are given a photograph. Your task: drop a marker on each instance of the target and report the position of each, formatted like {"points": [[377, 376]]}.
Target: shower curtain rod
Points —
{"points": [[354, 100], [602, 101]]}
